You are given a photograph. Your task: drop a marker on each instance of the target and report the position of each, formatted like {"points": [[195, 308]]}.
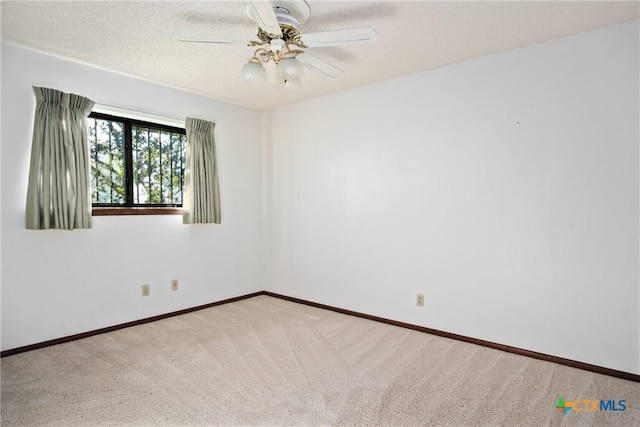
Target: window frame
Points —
{"points": [[129, 208]]}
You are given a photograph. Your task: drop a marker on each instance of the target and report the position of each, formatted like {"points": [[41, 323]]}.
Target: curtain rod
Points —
{"points": [[137, 114]]}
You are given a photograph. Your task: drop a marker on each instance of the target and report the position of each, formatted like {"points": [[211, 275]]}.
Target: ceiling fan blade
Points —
{"points": [[339, 37], [320, 65], [207, 40], [262, 12]]}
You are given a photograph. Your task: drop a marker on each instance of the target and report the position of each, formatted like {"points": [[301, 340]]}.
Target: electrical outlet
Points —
{"points": [[174, 285], [145, 290], [420, 300]]}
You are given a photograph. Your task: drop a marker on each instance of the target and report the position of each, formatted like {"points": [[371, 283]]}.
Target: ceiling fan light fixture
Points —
{"points": [[276, 45], [280, 41], [289, 67], [253, 71]]}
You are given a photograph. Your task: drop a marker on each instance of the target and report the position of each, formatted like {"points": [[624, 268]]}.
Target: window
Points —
{"points": [[135, 164]]}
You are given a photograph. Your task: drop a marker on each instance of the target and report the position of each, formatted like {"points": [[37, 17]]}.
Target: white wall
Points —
{"points": [[505, 189], [58, 283]]}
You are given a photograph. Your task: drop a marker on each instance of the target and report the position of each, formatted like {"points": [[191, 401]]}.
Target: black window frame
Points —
{"points": [[129, 207]]}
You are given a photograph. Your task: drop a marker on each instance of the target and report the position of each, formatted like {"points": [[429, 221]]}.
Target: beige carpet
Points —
{"points": [[266, 361]]}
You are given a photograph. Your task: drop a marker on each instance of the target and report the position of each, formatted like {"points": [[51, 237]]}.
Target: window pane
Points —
{"points": [[107, 161], [158, 164], [177, 152]]}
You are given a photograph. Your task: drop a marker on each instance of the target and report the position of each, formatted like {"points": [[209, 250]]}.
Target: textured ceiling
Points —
{"points": [[138, 38]]}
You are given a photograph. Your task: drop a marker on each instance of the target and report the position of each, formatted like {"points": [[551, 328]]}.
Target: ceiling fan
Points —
{"points": [[281, 42]]}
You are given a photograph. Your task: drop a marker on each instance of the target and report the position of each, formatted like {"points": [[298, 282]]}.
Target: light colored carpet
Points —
{"points": [[266, 361]]}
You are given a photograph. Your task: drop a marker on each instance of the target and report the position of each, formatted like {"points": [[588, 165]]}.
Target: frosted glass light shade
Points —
{"points": [[289, 83], [289, 67], [253, 72]]}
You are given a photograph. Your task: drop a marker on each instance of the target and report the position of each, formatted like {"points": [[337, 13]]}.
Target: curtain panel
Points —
{"points": [[201, 193], [58, 195]]}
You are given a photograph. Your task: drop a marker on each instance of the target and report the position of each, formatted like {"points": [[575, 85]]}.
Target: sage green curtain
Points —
{"points": [[201, 193], [58, 195]]}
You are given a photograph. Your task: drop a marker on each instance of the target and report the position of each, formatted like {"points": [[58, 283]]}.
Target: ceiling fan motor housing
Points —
{"points": [[290, 13], [284, 17]]}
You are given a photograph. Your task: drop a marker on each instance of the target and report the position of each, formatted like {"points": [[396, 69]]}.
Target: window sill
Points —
{"points": [[135, 211]]}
